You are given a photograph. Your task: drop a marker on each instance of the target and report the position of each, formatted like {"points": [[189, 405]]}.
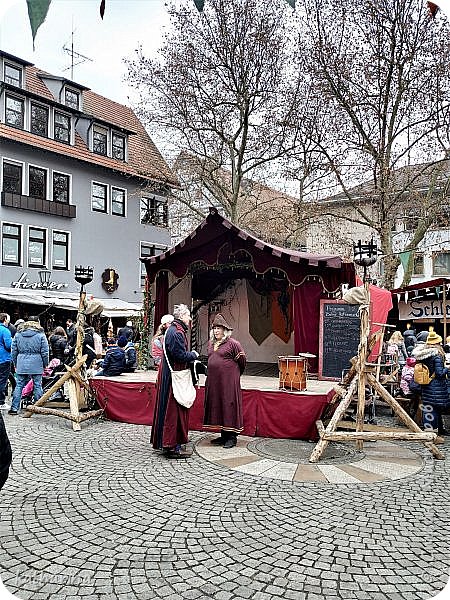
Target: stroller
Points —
{"points": [[50, 375]]}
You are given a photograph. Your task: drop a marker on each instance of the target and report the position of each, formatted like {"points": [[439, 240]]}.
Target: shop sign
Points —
{"points": [[23, 283], [110, 280], [423, 309]]}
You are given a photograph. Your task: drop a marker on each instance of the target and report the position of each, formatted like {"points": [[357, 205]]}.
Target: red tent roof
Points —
{"points": [[218, 241]]}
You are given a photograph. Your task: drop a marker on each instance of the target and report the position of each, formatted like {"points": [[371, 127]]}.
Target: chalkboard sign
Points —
{"points": [[338, 337]]}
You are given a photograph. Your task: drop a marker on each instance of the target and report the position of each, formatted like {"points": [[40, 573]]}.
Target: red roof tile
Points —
{"points": [[144, 159]]}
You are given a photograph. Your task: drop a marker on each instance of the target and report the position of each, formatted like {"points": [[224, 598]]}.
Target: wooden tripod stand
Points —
{"points": [[361, 374], [77, 384]]}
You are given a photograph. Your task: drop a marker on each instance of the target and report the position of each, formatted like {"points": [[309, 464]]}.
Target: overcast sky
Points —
{"points": [[126, 24]]}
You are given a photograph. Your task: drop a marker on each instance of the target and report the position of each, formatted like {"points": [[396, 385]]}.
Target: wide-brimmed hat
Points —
{"points": [[166, 319], [433, 338], [219, 321]]}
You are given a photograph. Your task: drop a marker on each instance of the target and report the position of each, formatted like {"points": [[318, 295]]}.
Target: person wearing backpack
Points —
{"points": [[435, 397]]}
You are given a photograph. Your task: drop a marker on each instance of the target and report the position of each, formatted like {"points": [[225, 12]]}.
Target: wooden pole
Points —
{"points": [[362, 354], [80, 325]]}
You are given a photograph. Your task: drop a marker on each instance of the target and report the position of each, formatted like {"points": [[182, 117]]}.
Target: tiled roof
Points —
{"points": [[144, 159]]}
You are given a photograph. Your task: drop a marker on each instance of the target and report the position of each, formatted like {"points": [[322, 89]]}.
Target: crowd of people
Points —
{"points": [[430, 393], [27, 353]]}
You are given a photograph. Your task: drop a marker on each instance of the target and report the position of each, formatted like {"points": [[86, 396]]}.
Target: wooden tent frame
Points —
{"points": [[363, 373]]}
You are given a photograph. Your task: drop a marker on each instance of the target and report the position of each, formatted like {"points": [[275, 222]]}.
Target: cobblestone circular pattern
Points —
{"points": [[380, 461], [299, 451]]}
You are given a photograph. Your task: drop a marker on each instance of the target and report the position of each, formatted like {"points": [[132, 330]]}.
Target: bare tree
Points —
{"points": [[223, 90], [382, 70]]}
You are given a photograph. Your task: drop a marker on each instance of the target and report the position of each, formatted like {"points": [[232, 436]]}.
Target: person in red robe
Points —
{"points": [[170, 419], [223, 394]]}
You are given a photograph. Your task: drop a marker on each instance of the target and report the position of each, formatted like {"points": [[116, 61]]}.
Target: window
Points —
{"points": [[11, 244], [13, 75], [100, 197], [12, 178], [14, 112], [71, 98], [39, 120], [100, 141], [60, 250], [37, 247], [147, 250], [118, 146], [418, 264], [153, 211], [62, 128], [61, 184], [441, 263], [118, 198], [37, 182]]}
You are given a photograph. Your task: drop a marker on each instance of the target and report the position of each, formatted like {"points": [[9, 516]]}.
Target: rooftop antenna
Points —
{"points": [[75, 57]]}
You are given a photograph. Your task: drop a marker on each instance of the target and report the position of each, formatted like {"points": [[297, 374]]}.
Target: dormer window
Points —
{"points": [[12, 74], [71, 98], [118, 146], [14, 111], [100, 141], [62, 128]]}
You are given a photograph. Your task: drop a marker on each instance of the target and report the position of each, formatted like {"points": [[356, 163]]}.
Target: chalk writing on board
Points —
{"points": [[338, 337]]}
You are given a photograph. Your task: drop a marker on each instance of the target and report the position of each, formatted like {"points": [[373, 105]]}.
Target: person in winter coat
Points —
{"points": [[409, 337], [5, 358], [435, 398], [130, 357], [127, 331], [114, 361], [58, 343], [157, 340], [407, 376], [30, 355], [396, 347], [5, 453]]}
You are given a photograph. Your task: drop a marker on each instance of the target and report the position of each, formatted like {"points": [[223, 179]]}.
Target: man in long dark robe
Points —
{"points": [[223, 394], [170, 419]]}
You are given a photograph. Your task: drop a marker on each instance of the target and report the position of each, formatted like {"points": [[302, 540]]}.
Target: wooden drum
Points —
{"points": [[292, 372]]}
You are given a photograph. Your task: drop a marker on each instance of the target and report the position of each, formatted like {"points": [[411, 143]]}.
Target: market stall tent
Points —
{"points": [[270, 292]]}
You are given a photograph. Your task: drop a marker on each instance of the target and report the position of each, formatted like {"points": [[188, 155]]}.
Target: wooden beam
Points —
{"points": [[402, 414], [350, 436], [55, 387], [368, 426]]}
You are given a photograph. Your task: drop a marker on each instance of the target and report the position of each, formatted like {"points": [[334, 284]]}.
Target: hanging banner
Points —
{"points": [[423, 309]]}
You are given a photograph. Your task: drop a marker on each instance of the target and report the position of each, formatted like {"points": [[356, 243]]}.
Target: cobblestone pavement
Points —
{"points": [[98, 515]]}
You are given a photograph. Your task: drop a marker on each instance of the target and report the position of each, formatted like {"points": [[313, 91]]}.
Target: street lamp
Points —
{"points": [[365, 255], [44, 278], [83, 276]]}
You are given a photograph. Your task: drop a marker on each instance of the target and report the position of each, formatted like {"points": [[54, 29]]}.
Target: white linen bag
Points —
{"points": [[182, 386]]}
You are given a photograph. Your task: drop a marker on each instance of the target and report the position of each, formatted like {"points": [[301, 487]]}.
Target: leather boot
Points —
{"points": [[220, 441], [231, 440]]}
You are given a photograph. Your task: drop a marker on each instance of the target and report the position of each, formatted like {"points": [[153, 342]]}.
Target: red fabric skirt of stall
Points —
{"points": [[274, 414]]}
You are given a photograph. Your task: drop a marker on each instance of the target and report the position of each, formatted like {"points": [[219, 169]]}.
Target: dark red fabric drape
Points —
{"points": [[161, 297], [306, 320], [266, 414]]}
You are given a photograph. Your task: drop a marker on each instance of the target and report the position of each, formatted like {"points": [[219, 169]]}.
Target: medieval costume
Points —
{"points": [[170, 419], [223, 394]]}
